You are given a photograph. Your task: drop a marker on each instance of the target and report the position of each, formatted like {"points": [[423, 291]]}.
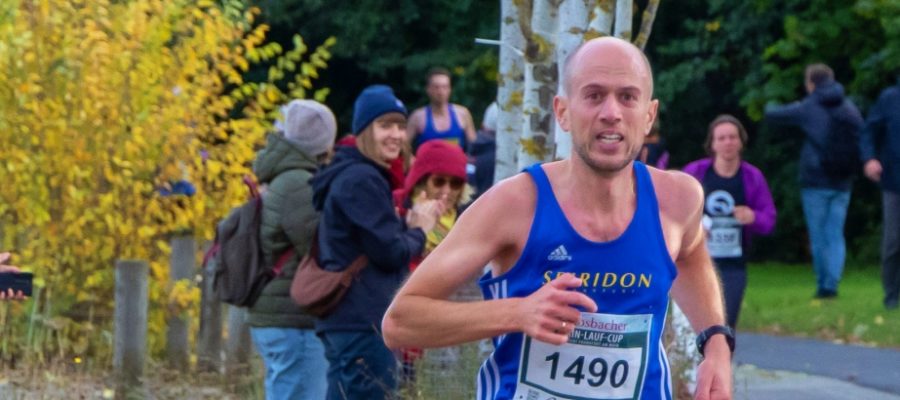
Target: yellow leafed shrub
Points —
{"points": [[102, 103]]}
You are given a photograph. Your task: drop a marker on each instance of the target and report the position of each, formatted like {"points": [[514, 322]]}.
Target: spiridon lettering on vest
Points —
{"points": [[605, 279]]}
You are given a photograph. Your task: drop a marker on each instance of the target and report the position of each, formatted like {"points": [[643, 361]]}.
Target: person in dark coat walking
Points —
{"points": [[358, 218], [880, 147], [825, 197]]}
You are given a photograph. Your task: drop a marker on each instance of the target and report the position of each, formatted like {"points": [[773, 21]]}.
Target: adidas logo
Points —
{"points": [[560, 254]]}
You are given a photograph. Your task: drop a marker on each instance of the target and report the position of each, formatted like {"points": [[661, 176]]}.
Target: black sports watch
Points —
{"points": [[707, 333]]}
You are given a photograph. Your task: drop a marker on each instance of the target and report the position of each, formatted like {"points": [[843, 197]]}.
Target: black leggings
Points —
{"points": [[734, 281]]}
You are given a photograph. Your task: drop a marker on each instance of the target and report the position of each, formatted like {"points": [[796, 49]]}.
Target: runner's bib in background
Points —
{"points": [[604, 359], [725, 238]]}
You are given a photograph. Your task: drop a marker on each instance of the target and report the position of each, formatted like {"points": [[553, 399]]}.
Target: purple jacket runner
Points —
{"points": [[756, 190]]}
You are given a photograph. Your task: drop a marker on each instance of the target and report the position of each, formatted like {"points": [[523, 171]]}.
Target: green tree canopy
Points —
{"points": [[716, 56], [396, 42]]}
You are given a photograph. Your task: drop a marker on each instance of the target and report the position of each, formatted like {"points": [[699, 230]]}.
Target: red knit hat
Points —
{"points": [[435, 157]]}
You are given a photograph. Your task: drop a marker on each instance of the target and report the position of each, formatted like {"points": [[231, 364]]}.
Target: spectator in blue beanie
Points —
{"points": [[358, 218]]}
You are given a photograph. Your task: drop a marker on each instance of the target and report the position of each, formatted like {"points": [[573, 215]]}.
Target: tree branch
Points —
{"points": [[646, 24]]}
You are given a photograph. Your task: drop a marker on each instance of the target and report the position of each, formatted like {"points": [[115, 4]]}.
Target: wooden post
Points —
{"points": [[181, 267], [237, 347], [130, 340], [209, 341]]}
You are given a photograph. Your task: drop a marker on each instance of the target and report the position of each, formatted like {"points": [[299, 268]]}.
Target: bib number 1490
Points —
{"points": [[595, 372]]}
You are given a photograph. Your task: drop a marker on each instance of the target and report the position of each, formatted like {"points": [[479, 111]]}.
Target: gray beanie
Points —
{"points": [[310, 125]]}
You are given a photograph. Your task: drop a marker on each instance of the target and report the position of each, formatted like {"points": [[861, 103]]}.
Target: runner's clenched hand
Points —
{"points": [[550, 314]]}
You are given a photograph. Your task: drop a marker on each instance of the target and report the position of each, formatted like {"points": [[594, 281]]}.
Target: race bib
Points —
{"points": [[604, 359], [724, 240]]}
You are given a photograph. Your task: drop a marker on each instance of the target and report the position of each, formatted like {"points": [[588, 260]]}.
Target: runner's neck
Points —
{"points": [[602, 194], [440, 110], [726, 168]]}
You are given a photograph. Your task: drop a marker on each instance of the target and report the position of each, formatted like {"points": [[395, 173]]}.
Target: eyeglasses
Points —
{"points": [[440, 181]]}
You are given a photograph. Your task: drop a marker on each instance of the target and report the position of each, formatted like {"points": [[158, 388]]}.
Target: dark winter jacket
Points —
{"points": [[812, 115], [288, 221], [881, 137], [358, 217]]}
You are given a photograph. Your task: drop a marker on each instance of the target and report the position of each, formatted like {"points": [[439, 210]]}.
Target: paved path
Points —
{"points": [[752, 383], [786, 368]]}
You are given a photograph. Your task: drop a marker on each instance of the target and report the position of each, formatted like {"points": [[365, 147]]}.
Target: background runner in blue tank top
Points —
{"points": [[440, 119], [583, 252]]}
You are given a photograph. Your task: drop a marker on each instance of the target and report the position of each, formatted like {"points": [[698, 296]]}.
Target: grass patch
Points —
{"points": [[779, 300]]}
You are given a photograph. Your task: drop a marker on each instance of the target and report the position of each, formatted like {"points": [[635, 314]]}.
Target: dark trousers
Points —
{"points": [[890, 247], [360, 366], [734, 282]]}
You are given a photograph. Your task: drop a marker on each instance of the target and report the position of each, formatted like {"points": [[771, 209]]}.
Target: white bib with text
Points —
{"points": [[604, 359], [724, 239]]}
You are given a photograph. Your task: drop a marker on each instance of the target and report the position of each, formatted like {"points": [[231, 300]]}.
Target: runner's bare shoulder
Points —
{"points": [[506, 207], [417, 119], [679, 195]]}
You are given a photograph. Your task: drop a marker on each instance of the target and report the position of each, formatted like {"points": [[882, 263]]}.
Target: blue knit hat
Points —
{"points": [[373, 102]]}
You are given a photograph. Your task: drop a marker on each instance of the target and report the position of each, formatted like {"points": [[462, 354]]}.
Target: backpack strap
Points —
{"points": [[279, 265], [210, 253], [357, 265], [254, 194], [252, 186]]}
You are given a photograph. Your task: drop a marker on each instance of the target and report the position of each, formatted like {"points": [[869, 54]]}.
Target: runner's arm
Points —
{"points": [[415, 125], [421, 315], [697, 291], [469, 123]]}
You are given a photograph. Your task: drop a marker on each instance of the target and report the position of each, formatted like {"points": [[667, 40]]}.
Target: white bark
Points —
{"points": [[573, 21], [623, 24], [536, 142], [601, 22], [682, 352], [509, 91]]}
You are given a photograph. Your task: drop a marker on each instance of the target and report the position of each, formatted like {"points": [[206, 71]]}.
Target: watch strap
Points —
{"points": [[707, 333]]}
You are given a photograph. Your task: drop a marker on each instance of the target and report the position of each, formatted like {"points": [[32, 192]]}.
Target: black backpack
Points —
{"points": [[239, 274], [840, 151]]}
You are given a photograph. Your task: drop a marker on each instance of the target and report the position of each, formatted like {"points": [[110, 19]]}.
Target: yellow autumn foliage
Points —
{"points": [[104, 102]]}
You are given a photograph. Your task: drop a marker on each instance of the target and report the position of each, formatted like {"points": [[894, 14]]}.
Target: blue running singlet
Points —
{"points": [[454, 134], [615, 353]]}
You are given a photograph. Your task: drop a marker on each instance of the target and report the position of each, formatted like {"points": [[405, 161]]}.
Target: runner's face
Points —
{"points": [[390, 132], [438, 89], [608, 108], [726, 143]]}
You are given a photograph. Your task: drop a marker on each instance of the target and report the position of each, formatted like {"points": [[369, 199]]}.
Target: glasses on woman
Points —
{"points": [[439, 182]]}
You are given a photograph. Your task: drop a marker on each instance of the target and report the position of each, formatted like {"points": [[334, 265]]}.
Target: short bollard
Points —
{"points": [[181, 267], [130, 340]]}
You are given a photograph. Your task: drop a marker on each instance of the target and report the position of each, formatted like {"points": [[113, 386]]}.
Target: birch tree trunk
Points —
{"points": [[682, 353], [623, 19], [509, 91], [601, 19], [573, 22], [536, 143]]}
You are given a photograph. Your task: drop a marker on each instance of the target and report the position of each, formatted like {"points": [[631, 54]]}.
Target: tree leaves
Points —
{"points": [[104, 103]]}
